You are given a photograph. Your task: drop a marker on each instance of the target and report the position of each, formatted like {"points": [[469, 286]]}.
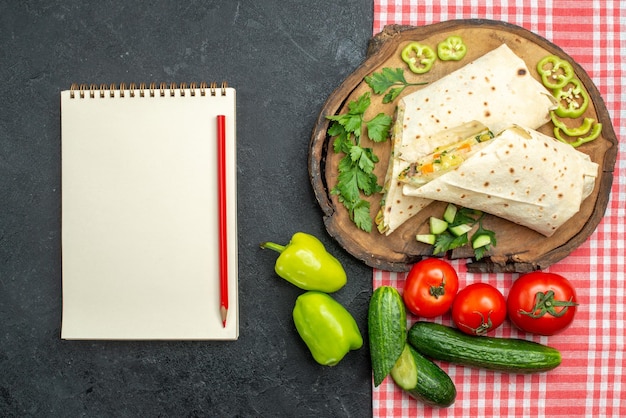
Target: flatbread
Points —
{"points": [[522, 176], [496, 89]]}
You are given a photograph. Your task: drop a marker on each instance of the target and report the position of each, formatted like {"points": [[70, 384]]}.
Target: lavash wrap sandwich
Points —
{"points": [[496, 90], [520, 175]]}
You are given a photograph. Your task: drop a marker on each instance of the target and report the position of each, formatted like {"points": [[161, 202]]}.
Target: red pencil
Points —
{"points": [[221, 181]]}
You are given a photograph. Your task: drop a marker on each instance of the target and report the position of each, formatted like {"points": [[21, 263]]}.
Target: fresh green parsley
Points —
{"points": [[389, 78], [446, 241], [356, 176]]}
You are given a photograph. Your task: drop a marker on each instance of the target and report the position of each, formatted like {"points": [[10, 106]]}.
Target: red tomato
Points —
{"points": [[478, 308], [542, 303], [430, 287]]}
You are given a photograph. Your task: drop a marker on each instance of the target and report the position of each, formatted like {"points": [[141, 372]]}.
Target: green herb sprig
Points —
{"points": [[356, 167], [387, 79]]}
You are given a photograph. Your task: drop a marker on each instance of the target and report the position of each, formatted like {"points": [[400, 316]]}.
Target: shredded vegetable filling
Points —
{"points": [[443, 159]]}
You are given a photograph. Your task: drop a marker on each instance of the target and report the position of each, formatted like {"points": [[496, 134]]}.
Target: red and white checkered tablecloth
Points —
{"points": [[591, 381]]}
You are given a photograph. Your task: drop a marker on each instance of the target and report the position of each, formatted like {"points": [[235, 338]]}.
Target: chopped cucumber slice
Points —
{"points": [[481, 241], [437, 226], [459, 230], [450, 213], [404, 373], [426, 238]]}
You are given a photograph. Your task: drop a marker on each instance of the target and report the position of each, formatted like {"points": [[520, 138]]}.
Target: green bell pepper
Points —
{"points": [[326, 327], [580, 130], [451, 49], [420, 58], [305, 263], [595, 133], [572, 98], [555, 72]]}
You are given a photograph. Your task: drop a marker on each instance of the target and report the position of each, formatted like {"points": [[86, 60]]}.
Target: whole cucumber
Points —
{"points": [[440, 342], [387, 330]]}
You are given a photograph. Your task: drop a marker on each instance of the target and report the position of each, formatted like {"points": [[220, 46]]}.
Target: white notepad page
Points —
{"points": [[140, 215]]}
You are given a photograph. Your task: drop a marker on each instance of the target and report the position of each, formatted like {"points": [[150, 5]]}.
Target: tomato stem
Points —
{"points": [[546, 304], [439, 290], [484, 327]]}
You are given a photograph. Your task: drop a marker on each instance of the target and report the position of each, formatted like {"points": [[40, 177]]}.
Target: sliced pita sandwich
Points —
{"points": [[520, 175], [495, 90]]}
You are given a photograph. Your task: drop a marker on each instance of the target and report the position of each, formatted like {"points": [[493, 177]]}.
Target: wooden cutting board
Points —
{"points": [[518, 249]]}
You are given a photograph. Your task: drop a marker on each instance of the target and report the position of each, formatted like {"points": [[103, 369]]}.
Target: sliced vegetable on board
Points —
{"points": [[580, 130], [419, 57], [453, 231], [555, 72], [572, 99], [451, 49], [576, 142]]}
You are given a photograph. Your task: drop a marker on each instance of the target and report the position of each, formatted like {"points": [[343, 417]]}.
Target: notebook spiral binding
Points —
{"points": [[152, 90]]}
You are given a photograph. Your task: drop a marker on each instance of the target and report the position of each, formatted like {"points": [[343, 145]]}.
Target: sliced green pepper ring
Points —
{"points": [[555, 72], [420, 58], [595, 132], [583, 129], [572, 98], [451, 49]]}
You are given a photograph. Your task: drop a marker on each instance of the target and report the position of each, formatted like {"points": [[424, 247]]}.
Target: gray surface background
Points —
{"points": [[284, 58]]}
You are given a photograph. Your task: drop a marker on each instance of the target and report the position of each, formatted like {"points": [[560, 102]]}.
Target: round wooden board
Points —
{"points": [[518, 249]]}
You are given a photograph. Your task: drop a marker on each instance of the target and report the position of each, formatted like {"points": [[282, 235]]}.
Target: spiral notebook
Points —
{"points": [[140, 242]]}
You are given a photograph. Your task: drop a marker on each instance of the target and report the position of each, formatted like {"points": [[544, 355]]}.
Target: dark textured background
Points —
{"points": [[284, 58]]}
